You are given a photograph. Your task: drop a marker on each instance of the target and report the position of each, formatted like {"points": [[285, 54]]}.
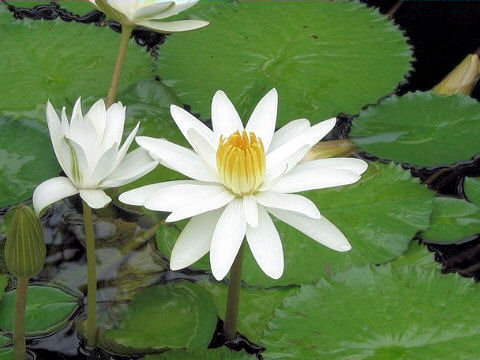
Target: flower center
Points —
{"points": [[241, 162]]}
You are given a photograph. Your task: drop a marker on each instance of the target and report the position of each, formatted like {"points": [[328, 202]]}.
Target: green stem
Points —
{"points": [[233, 297], [92, 278], [20, 308], [117, 72]]}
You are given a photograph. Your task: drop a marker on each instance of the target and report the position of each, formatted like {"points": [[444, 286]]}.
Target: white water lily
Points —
{"points": [[149, 13], [89, 152], [241, 176]]}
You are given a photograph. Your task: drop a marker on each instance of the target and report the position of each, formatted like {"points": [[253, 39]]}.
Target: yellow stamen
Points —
{"points": [[241, 162]]}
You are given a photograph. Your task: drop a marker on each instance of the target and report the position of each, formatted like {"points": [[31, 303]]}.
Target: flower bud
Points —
{"points": [[328, 149], [462, 79], [25, 250]]}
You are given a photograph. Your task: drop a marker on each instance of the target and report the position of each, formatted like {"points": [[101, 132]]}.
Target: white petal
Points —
{"points": [[97, 115], [177, 158], [195, 240], [203, 148], [320, 230], [135, 165], [265, 244], [140, 195], [173, 26], [126, 145], [186, 121], [206, 204], [225, 119], [56, 135], [153, 10], [297, 203], [320, 130], [51, 191], [96, 199], [115, 123], [250, 210], [288, 132], [296, 181], [177, 196], [80, 167], [357, 166], [106, 164], [76, 120], [178, 8], [286, 164], [227, 239], [285, 151], [263, 119]]}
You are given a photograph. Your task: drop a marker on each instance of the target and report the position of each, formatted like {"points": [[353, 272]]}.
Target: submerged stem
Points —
{"points": [[92, 278], [117, 72], [20, 308], [233, 297]]}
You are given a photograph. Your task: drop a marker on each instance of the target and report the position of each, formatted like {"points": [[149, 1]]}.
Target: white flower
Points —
{"points": [[240, 177], [148, 13], [88, 150]]}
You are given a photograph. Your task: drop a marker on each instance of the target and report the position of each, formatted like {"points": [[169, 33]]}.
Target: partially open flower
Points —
{"points": [[241, 177], [149, 13], [89, 152], [25, 250]]}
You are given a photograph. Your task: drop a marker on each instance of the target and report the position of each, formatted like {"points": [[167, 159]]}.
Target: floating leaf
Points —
{"points": [[61, 61], [4, 340], [6, 354], [210, 354], [453, 220], [257, 306], [379, 313], [3, 285], [176, 316], [471, 187], [417, 255], [379, 215], [27, 159], [420, 128], [320, 65], [49, 309]]}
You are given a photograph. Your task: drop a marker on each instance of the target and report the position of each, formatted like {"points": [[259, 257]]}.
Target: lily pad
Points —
{"points": [[210, 354], [3, 285], [420, 128], [4, 340], [6, 354], [379, 215], [417, 254], [83, 67], [318, 54], [175, 316], [257, 306], [49, 309], [471, 187], [27, 159], [379, 313], [453, 221]]}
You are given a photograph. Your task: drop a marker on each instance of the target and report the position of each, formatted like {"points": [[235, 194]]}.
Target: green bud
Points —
{"points": [[25, 250]]}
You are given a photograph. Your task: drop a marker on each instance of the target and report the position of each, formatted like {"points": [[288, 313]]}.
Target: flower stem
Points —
{"points": [[92, 278], [117, 72], [233, 297], [20, 308]]}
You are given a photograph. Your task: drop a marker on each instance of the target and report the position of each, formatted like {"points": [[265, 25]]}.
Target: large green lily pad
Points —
{"points": [[174, 316], [417, 254], [420, 128], [27, 159], [60, 61], [49, 309], [324, 57], [210, 354], [453, 220], [379, 313], [379, 215], [471, 188]]}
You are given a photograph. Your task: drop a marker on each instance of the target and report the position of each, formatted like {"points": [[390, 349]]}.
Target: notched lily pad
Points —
{"points": [[174, 316], [420, 128], [320, 66], [27, 159], [49, 309], [379, 313], [453, 221]]}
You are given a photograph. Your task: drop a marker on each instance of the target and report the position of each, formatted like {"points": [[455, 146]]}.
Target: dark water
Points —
{"points": [[442, 34]]}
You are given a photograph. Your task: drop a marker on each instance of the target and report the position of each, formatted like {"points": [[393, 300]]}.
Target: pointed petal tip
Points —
{"points": [[344, 247]]}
